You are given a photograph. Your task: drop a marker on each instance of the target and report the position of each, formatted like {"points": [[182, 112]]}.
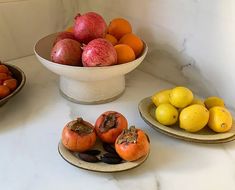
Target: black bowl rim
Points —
{"points": [[20, 86]]}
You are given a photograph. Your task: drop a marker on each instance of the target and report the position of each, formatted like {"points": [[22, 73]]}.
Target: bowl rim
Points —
{"points": [[19, 87], [143, 53]]}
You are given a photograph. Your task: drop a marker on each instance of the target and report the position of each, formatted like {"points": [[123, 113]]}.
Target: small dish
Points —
{"points": [[99, 166], [87, 85], [19, 75], [206, 135]]}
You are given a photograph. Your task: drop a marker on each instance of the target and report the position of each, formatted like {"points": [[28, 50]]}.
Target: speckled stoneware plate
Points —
{"points": [[19, 75], [206, 135], [99, 166]]}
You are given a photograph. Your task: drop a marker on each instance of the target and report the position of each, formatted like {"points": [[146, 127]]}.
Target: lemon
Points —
{"points": [[166, 114], [193, 118], [220, 119], [181, 97], [161, 97], [197, 101], [213, 101]]}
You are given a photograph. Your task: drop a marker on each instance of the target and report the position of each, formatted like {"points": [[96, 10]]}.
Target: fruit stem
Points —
{"points": [[80, 127]]}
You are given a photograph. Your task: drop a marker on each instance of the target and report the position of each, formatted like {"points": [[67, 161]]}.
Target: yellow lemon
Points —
{"points": [[220, 119], [197, 101], [213, 101], [161, 97], [181, 97], [166, 114], [193, 118]]}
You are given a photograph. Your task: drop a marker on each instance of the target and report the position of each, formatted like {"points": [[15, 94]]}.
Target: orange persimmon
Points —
{"points": [[132, 144], [10, 83], [4, 91], [4, 69], [4, 76], [78, 135], [109, 125]]}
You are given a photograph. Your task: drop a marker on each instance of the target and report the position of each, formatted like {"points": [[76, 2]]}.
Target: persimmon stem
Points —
{"points": [[109, 122], [128, 136], [80, 127]]}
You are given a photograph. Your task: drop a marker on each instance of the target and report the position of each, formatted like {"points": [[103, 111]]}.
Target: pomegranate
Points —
{"points": [[99, 52], [67, 52], [89, 26], [64, 35]]}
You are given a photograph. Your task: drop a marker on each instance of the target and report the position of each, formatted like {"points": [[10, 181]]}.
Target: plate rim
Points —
{"points": [[99, 171], [177, 136]]}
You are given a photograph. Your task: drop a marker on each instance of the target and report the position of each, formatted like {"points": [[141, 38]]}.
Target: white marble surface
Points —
{"points": [[31, 124]]}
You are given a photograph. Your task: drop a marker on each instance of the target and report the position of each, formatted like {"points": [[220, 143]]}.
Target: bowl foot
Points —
{"points": [[92, 92]]}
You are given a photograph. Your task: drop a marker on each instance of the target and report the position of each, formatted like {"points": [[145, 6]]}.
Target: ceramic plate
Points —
{"points": [[100, 166], [206, 135]]}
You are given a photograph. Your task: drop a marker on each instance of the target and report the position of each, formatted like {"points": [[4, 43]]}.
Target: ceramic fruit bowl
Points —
{"points": [[19, 75], [87, 85]]}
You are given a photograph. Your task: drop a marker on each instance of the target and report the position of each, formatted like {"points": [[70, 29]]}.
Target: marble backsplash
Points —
{"points": [[23, 22], [190, 41]]}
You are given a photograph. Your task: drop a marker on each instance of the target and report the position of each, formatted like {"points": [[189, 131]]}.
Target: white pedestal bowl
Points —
{"points": [[87, 85]]}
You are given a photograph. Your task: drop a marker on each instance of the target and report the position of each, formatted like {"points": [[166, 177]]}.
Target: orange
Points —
{"points": [[111, 39], [118, 27], [134, 42], [124, 53], [70, 29]]}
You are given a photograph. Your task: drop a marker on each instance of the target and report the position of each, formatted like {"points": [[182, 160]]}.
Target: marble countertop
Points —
{"points": [[31, 125]]}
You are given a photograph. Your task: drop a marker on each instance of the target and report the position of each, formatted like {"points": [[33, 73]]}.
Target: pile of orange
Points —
{"points": [[127, 45]]}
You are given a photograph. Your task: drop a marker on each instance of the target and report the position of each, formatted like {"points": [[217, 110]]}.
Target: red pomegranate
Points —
{"points": [[67, 52], [99, 52], [64, 35], [89, 26]]}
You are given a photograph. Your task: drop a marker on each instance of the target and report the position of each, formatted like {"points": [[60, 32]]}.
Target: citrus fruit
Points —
{"points": [[166, 114], [134, 42], [213, 101], [220, 119], [197, 101], [111, 39], [124, 53], [70, 29], [161, 97], [193, 118], [181, 97], [118, 27]]}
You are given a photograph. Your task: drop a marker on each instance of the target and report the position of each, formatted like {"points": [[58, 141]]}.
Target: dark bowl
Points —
{"points": [[19, 75]]}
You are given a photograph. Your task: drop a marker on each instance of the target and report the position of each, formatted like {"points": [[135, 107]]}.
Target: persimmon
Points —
{"points": [[4, 69], [4, 91], [132, 144], [118, 27], [10, 83], [4, 76], [109, 125], [78, 135]]}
